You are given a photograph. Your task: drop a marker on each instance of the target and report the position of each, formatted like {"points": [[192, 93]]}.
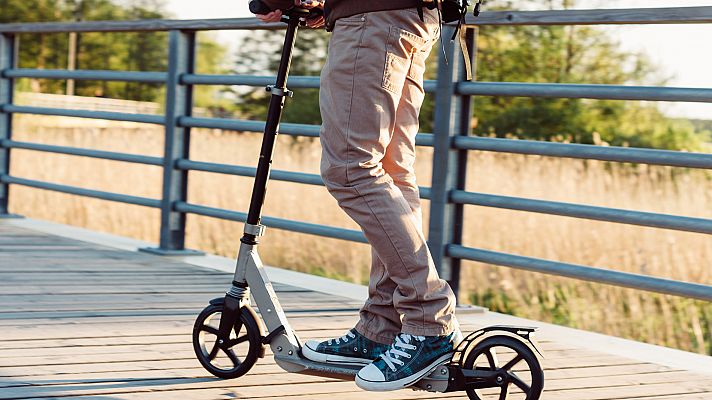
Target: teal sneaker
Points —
{"points": [[408, 360], [352, 348]]}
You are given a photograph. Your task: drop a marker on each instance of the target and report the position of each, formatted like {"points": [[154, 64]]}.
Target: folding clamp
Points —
{"points": [[254, 230], [279, 91]]}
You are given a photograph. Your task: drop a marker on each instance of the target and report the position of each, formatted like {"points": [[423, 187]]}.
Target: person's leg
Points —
{"points": [[379, 319], [398, 162], [370, 57]]}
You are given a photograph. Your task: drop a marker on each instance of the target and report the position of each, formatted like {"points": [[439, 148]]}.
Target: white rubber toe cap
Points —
{"points": [[309, 351], [369, 375]]}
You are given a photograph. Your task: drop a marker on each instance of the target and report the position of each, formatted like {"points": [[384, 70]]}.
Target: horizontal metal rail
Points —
{"points": [[241, 125], [248, 126], [425, 139], [649, 16], [295, 82], [97, 194], [278, 223], [148, 25], [92, 75], [103, 155], [585, 151], [578, 91], [630, 16], [277, 175], [591, 274], [287, 176], [108, 115], [665, 221]]}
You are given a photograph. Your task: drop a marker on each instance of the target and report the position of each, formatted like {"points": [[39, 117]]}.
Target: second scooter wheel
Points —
{"points": [[234, 357], [522, 375]]}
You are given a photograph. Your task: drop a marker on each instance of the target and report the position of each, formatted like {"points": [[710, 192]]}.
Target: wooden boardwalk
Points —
{"points": [[85, 321]]}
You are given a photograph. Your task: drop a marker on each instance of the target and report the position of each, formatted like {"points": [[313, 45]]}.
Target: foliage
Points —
{"points": [[138, 51], [550, 54], [578, 55], [259, 54]]}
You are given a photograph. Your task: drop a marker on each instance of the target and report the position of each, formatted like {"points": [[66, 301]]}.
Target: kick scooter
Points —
{"points": [[229, 336]]}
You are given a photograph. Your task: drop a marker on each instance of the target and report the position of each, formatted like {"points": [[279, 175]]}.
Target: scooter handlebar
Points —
{"points": [[258, 7]]}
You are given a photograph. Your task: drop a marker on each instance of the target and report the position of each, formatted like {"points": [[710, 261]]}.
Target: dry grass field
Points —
{"points": [[658, 319]]}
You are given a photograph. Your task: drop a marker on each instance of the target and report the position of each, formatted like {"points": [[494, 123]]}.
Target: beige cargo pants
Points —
{"points": [[371, 94]]}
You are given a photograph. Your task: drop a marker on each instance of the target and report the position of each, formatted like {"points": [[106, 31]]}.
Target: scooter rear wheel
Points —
{"points": [[234, 357], [506, 354]]}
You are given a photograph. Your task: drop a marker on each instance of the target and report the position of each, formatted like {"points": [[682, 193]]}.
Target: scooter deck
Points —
{"points": [[435, 380], [309, 367]]}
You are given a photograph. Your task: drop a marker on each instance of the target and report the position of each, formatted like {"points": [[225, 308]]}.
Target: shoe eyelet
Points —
{"points": [[364, 351], [356, 349]]}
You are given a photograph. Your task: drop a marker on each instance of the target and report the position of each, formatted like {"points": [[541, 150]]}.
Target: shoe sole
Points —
{"points": [[374, 386], [314, 355]]}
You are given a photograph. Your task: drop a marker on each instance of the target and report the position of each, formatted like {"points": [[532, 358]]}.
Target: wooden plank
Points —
{"points": [[163, 335], [630, 379], [287, 387], [30, 311], [688, 396], [662, 390], [118, 327], [255, 390], [185, 351], [175, 344]]}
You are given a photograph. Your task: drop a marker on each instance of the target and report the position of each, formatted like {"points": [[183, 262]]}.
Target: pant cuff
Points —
{"points": [[380, 337], [428, 331]]}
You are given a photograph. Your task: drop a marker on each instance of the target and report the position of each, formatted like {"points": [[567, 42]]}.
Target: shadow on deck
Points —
{"points": [[80, 319]]}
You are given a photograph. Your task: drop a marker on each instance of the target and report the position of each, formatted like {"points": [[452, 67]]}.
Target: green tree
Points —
{"points": [[570, 54], [260, 53], [542, 54], [138, 51], [211, 59]]}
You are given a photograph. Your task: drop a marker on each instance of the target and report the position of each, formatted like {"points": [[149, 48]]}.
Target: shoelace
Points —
{"points": [[392, 355], [345, 338]]}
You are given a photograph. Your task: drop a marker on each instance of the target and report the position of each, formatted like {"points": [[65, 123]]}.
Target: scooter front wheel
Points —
{"points": [[231, 358]]}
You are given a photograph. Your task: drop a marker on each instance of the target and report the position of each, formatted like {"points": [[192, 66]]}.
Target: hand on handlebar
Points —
{"points": [[314, 22], [273, 16]]}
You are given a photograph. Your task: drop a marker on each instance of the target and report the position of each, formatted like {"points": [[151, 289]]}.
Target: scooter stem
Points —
{"points": [[274, 115]]}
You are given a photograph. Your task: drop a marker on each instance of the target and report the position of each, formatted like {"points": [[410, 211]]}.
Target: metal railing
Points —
{"points": [[451, 140]]}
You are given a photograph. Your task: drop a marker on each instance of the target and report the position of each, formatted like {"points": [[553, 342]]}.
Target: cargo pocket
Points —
{"points": [[417, 68], [401, 48]]}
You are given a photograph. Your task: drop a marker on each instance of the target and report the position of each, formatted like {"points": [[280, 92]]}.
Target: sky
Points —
{"points": [[679, 50]]}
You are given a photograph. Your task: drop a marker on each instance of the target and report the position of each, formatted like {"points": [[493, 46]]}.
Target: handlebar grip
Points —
{"points": [[258, 7]]}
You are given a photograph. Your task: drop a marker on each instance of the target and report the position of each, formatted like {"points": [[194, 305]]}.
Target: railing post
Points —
{"points": [[179, 103], [452, 118], [8, 59]]}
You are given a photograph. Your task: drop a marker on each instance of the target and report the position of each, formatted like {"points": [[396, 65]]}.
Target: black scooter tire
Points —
{"points": [[537, 373], [253, 336]]}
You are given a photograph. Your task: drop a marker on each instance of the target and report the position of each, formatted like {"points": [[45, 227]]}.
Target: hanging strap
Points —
{"points": [[466, 53], [460, 32]]}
